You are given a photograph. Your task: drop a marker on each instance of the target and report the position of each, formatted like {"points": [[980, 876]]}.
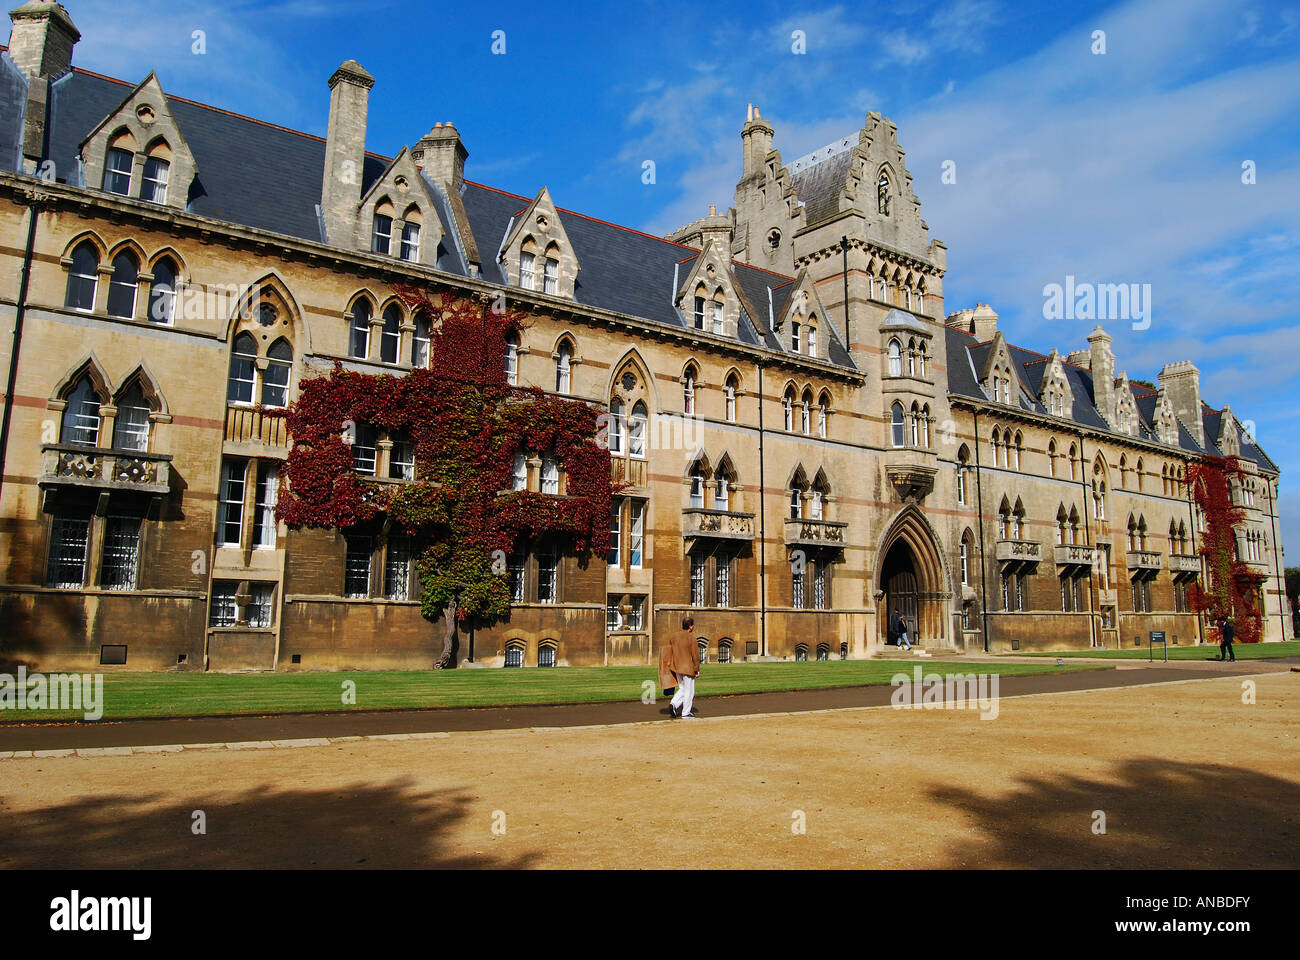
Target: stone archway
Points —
{"points": [[911, 579]]}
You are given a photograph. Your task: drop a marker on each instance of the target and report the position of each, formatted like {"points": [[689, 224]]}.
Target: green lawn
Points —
{"points": [[135, 695], [1243, 651]]}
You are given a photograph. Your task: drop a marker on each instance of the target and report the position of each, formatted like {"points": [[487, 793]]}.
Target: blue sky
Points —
{"points": [[1122, 167]]}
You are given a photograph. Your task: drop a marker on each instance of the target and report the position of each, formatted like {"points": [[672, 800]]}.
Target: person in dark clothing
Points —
{"points": [[899, 628], [1226, 633]]}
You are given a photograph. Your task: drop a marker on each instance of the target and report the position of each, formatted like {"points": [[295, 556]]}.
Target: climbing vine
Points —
{"points": [[1230, 587], [466, 423]]}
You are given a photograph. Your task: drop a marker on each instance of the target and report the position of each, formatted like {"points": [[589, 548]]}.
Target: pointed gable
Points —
{"points": [[402, 194], [1229, 438], [536, 253], [1054, 392], [1000, 375], [1126, 411], [144, 127], [803, 326], [708, 297], [1165, 421]]}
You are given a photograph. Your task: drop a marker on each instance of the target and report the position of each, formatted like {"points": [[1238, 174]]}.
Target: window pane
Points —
{"points": [[359, 342], [382, 236], [261, 604], [131, 428], [154, 186], [391, 338], [81, 416], [356, 567], [268, 491], [69, 536], [364, 449], [122, 286], [117, 172], [397, 569], [546, 577], [243, 367], [411, 242], [162, 292], [636, 535], [230, 519], [223, 612]]}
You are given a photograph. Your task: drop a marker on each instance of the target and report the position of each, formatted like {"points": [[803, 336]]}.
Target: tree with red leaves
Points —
{"points": [[466, 423], [1229, 592]]}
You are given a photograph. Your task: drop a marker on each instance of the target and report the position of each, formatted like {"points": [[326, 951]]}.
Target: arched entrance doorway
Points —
{"points": [[911, 580], [898, 579]]}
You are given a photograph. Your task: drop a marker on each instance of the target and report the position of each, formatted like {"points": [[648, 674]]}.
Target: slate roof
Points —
{"points": [[966, 357], [819, 185]]}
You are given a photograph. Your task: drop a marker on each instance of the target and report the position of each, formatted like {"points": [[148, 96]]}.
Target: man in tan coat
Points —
{"points": [[686, 667]]}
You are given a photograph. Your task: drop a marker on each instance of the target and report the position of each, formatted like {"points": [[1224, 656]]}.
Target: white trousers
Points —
{"points": [[685, 695]]}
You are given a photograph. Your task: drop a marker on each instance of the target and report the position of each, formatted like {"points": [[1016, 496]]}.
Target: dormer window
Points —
{"points": [[117, 171], [700, 305], [527, 271], [717, 316], [551, 276], [410, 241], [381, 236], [794, 336], [153, 187], [812, 341]]}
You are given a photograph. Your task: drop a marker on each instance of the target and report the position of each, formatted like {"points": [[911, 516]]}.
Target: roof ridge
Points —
{"points": [[224, 112]]}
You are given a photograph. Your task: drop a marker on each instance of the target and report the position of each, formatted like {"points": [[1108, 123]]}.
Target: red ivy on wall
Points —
{"points": [[1231, 586], [466, 423]]}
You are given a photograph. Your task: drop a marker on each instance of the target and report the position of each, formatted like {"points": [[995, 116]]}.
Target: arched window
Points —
{"points": [[617, 413], [1015, 451], [1061, 524], [724, 478], [162, 292], [788, 404], [122, 285], [550, 480], [697, 485], [882, 194], [1140, 471], [805, 413], [915, 420], [812, 337], [967, 541], [1004, 520], [895, 358], [963, 464], [922, 358], [718, 305], [551, 270], [275, 379], [911, 358], [359, 325], [243, 370], [925, 426], [1018, 521], [83, 277], [1074, 525], [410, 248], [1132, 533], [153, 186], [995, 441], [117, 171], [546, 655], [896, 423], [519, 471], [81, 416], [701, 306], [636, 426], [1051, 457], [1074, 462], [688, 391], [422, 342], [563, 370], [131, 426], [514, 654], [381, 231], [729, 392], [724, 651], [390, 340], [528, 266], [823, 414]]}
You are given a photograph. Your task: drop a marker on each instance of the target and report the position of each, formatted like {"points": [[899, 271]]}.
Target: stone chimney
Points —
{"points": [[42, 39], [1181, 383], [756, 135], [40, 45], [442, 156], [1101, 361], [716, 227], [345, 152], [981, 322]]}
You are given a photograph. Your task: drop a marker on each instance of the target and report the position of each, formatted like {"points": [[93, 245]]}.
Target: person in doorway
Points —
{"points": [[1226, 633], [686, 667], [899, 626]]}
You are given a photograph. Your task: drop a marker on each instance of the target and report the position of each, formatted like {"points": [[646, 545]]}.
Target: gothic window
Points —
{"points": [[563, 370], [805, 413], [788, 409], [636, 427], [410, 245], [131, 426], [359, 329], [275, 378], [422, 341], [551, 270], [527, 270], [896, 423], [243, 370], [391, 336], [963, 465], [381, 233], [117, 171], [83, 277], [81, 415], [122, 285], [823, 414], [153, 187], [882, 194], [729, 392], [895, 358], [688, 391], [162, 292], [616, 426]]}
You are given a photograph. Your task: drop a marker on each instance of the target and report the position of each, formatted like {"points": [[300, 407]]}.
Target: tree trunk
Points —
{"points": [[448, 638]]}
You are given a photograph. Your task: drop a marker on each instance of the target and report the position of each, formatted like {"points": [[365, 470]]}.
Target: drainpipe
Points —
{"points": [[762, 527], [1093, 599], [1277, 570], [979, 501], [1191, 525], [848, 335], [20, 313]]}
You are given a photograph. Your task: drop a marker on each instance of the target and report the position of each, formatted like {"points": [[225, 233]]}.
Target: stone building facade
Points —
{"points": [[807, 439]]}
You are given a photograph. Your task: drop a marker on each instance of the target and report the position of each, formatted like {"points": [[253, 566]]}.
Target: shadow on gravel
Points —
{"points": [[1158, 814], [363, 826]]}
